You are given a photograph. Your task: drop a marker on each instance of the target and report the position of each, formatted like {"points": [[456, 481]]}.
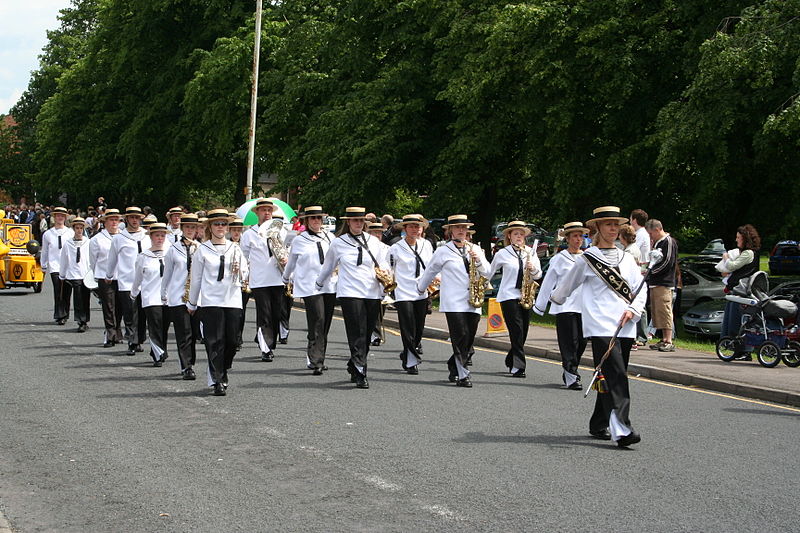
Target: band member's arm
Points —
{"points": [[63, 261], [548, 285], [169, 269], [497, 264], [483, 264], [536, 266], [111, 266], [331, 260], [136, 288], [244, 268], [94, 250], [198, 265], [429, 273], [288, 270], [571, 281], [44, 261]]}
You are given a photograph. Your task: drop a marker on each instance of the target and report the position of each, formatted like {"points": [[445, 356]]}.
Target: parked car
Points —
{"points": [[701, 283], [714, 249], [705, 318], [329, 223], [785, 258], [790, 290]]}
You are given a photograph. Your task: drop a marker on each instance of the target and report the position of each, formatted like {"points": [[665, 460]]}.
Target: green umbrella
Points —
{"points": [[245, 212]]}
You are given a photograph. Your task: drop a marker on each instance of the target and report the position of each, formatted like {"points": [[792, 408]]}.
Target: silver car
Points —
{"points": [[705, 318]]}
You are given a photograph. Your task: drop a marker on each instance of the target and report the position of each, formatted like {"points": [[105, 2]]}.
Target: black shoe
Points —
{"points": [[108, 345], [138, 348], [518, 374], [627, 440], [361, 381], [466, 382], [419, 349], [283, 340], [61, 321], [82, 328], [219, 390], [131, 350], [189, 374], [317, 372], [267, 357], [576, 386], [413, 370], [376, 342], [603, 434], [156, 363], [469, 361], [453, 378], [747, 356], [164, 357]]}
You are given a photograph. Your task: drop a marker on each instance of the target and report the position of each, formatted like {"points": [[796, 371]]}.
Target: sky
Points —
{"points": [[23, 33]]}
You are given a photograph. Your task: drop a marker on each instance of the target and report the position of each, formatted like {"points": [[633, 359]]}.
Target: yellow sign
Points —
{"points": [[495, 323], [18, 235]]}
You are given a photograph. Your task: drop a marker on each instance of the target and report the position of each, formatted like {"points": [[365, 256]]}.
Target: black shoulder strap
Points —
{"points": [[611, 277]]}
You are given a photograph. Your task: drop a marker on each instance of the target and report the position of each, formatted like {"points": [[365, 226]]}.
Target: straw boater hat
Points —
{"points": [[77, 220], [189, 218], [414, 219], [111, 213], [569, 227], [261, 202], [59, 210], [148, 220], [313, 211], [354, 213], [517, 224], [134, 211], [218, 214], [236, 223], [157, 226], [374, 226], [608, 212], [175, 211], [457, 220]]}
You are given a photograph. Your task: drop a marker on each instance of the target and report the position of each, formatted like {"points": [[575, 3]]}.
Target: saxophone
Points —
{"points": [[529, 286], [187, 287], [477, 283], [273, 235]]}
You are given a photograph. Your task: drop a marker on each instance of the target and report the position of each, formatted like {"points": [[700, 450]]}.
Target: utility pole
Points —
{"points": [[251, 143]]}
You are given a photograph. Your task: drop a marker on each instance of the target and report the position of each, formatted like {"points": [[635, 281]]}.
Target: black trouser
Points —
{"points": [[220, 327], [462, 327], [319, 315], [158, 328], [360, 316], [411, 317], [518, 320], [80, 300], [61, 295], [112, 314], [134, 318], [286, 310], [571, 343], [268, 315], [615, 371], [245, 299], [184, 335]]}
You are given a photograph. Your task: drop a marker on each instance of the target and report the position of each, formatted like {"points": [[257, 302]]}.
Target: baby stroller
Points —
{"points": [[767, 325]]}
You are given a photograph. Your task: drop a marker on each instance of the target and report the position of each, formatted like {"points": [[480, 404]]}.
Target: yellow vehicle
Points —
{"points": [[19, 257]]}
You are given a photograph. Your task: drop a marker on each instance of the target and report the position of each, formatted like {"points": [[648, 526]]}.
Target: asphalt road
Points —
{"points": [[93, 440]]}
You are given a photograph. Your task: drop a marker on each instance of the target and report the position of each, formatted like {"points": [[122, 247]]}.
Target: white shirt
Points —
{"points": [[70, 268], [454, 289], [508, 260], [175, 234], [122, 256], [256, 248], [643, 242], [304, 264], [601, 307], [174, 282], [205, 270], [355, 281], [51, 248], [560, 265], [404, 260], [99, 247], [147, 277]]}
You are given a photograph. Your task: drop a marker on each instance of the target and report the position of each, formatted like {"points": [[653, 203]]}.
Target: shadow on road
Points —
{"points": [[556, 441], [764, 411]]}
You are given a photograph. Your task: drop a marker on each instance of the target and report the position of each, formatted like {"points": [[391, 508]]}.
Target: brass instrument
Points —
{"points": [[433, 288], [187, 287], [528, 291], [386, 279], [236, 269], [477, 283], [273, 235]]}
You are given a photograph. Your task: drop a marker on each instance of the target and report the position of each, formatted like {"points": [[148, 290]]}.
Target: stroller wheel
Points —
{"points": [[791, 357], [769, 354], [726, 348]]}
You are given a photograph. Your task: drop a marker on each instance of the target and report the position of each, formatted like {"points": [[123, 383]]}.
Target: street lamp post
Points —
{"points": [[251, 142]]}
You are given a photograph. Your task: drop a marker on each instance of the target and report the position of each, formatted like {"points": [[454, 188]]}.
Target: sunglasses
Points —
{"points": [[219, 223]]}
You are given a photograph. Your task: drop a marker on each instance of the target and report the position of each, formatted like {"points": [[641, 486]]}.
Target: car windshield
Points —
{"points": [[706, 270], [788, 250]]}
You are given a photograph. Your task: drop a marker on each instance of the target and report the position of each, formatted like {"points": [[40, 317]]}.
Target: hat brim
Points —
{"points": [[255, 207], [138, 215], [423, 224], [621, 220], [467, 224], [527, 231], [360, 217], [573, 230], [314, 215]]}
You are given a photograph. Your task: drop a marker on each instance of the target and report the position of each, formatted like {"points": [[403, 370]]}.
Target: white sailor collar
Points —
{"points": [[211, 246], [155, 255], [595, 252], [132, 236]]}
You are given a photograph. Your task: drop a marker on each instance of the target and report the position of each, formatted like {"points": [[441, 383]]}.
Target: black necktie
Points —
{"points": [[519, 272], [59, 242], [78, 254], [188, 257], [269, 249], [160, 267], [419, 260], [360, 256], [320, 253], [221, 273], [139, 245], [463, 253]]}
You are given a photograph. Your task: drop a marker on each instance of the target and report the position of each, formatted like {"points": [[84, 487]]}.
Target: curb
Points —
{"points": [[638, 370]]}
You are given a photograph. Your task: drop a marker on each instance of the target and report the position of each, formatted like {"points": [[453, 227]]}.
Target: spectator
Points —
{"points": [[662, 284], [627, 236], [748, 242], [638, 220], [371, 217]]}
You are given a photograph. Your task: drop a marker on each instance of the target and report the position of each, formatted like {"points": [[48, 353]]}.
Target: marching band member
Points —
{"points": [[125, 247], [266, 280], [453, 261], [52, 243], [148, 220], [608, 277], [306, 258], [174, 224], [73, 266], [375, 229], [235, 230], [569, 328], [147, 281], [514, 258], [218, 268], [99, 247], [286, 301], [177, 265], [357, 288], [410, 257]]}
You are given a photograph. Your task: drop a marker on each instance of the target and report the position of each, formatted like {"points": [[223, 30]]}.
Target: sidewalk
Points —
{"points": [[697, 369]]}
